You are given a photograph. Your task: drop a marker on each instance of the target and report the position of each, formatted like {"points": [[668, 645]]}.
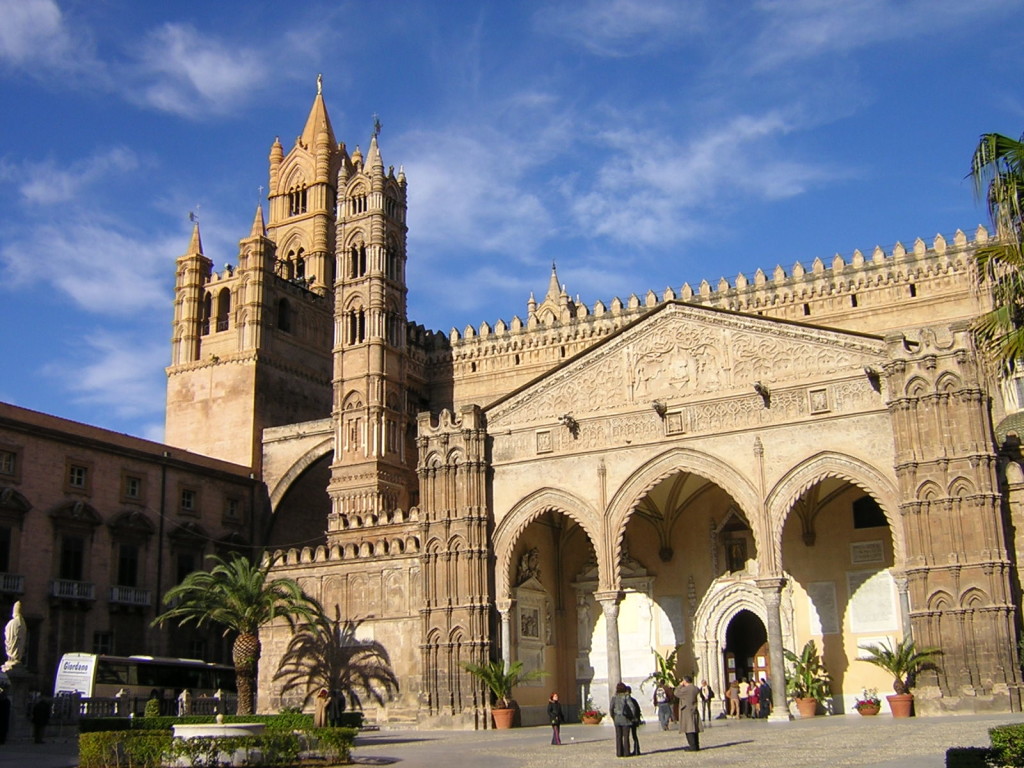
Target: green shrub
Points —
{"points": [[283, 722], [333, 744], [152, 708], [968, 757], [1007, 745], [113, 749]]}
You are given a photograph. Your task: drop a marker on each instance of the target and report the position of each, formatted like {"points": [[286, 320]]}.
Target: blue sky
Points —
{"points": [[638, 143]]}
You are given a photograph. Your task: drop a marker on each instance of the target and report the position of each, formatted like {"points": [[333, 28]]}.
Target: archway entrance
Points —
{"points": [[745, 655]]}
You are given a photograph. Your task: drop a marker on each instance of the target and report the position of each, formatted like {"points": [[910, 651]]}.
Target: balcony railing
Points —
{"points": [[12, 582], [67, 589], [130, 596]]}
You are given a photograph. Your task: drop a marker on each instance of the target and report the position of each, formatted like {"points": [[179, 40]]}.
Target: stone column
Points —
{"points": [[610, 605], [505, 612], [903, 589], [771, 591]]}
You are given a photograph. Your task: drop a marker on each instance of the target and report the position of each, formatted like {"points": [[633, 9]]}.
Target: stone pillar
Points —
{"points": [[505, 612], [903, 590], [610, 605], [771, 591]]}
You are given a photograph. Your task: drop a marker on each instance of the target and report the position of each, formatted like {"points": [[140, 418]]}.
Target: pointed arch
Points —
{"points": [[830, 464], [515, 522], [644, 479], [310, 457]]}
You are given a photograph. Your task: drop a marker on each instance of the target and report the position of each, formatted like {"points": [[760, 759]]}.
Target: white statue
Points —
{"points": [[15, 638]]}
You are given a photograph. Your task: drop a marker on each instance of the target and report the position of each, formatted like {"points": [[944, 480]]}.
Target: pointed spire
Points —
{"points": [[554, 287], [318, 122], [373, 159], [195, 246], [259, 226]]}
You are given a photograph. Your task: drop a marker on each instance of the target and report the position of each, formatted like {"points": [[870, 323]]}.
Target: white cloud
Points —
{"points": [[188, 73], [34, 33], [100, 268], [803, 29], [621, 28], [47, 183], [121, 372]]}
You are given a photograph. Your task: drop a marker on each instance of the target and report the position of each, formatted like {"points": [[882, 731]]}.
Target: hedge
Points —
{"points": [[153, 749], [1007, 745], [968, 757], [291, 721]]}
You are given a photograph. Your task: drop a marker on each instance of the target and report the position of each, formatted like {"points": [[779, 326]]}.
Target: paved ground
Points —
{"points": [[864, 742]]}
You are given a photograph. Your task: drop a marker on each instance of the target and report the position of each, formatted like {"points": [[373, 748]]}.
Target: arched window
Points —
{"points": [[357, 261], [297, 200], [207, 311], [284, 316], [223, 309], [357, 326], [300, 265]]}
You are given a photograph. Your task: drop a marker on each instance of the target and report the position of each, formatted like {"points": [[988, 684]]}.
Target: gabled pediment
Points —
{"points": [[682, 353]]}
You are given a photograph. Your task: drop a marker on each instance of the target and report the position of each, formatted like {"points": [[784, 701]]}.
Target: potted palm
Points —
{"points": [[807, 682], [902, 660], [501, 680]]}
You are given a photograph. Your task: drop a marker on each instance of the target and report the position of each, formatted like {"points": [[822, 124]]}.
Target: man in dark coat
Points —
{"points": [[689, 712]]}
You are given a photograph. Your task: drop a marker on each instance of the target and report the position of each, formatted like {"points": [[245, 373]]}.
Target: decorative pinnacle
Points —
{"points": [[319, 84], [376, 125]]}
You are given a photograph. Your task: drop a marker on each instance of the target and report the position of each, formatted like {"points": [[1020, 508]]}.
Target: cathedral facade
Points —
{"points": [[720, 471]]}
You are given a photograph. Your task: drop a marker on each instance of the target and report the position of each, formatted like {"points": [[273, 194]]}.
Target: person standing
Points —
{"points": [[764, 693], [706, 695], [743, 692], [689, 715], [663, 704], [635, 716], [556, 718], [753, 710], [321, 707], [619, 709], [5, 715]]}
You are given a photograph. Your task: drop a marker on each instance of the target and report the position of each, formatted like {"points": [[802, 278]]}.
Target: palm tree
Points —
{"points": [[328, 654], [997, 170], [240, 596], [902, 660]]}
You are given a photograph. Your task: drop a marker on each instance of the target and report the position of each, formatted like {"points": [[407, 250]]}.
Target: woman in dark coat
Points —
{"points": [[555, 717], [621, 713], [689, 712]]}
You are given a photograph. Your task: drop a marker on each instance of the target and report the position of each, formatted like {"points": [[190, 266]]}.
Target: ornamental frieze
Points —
{"points": [[683, 352]]}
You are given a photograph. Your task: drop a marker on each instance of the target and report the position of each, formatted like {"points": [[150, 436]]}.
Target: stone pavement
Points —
{"points": [[846, 740]]}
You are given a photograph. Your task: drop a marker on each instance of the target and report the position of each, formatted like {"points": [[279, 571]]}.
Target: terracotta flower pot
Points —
{"points": [[866, 710], [503, 718], [807, 707], [901, 704], [591, 719]]}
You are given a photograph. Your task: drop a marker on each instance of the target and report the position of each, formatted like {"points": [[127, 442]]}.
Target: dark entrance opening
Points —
{"points": [[746, 648]]}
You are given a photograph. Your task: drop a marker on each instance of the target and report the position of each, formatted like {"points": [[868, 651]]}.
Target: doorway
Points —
{"points": [[746, 648]]}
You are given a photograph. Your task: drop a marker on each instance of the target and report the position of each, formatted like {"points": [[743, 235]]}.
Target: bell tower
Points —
{"points": [[374, 458]]}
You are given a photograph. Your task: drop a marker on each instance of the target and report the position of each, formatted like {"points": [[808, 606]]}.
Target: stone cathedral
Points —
{"points": [[723, 470]]}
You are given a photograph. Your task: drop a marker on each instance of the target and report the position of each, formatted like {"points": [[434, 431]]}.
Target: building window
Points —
{"points": [[284, 316], [127, 565], [5, 549], [8, 463], [72, 558], [223, 309], [185, 563], [232, 510], [103, 642], [77, 477], [189, 501], [297, 200], [131, 488]]}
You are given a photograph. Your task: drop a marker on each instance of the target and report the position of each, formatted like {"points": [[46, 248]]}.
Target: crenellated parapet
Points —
{"points": [[874, 292]]}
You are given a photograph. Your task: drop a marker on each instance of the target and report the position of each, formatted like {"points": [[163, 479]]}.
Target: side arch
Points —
{"points": [[314, 454], [529, 509], [644, 479], [828, 464]]}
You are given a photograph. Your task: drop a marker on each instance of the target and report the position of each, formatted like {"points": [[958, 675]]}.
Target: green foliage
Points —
{"points": [[997, 170], [969, 757], [110, 749], [806, 677], [902, 660], [665, 674], [500, 680], [293, 721], [333, 744], [152, 708], [269, 749], [1007, 745]]}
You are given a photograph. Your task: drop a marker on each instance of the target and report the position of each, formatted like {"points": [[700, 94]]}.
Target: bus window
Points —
{"points": [[112, 672]]}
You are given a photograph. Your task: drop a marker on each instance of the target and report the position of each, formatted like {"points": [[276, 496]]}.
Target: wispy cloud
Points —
{"points": [[622, 28], [50, 182], [35, 35], [93, 262], [120, 372], [183, 71]]}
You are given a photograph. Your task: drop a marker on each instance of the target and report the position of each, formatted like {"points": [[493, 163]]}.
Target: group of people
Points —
{"points": [[748, 698]]}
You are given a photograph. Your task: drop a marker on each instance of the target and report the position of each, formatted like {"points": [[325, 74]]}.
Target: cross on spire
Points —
{"points": [[376, 125]]}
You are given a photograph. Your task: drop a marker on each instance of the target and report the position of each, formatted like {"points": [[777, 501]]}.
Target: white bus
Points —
{"points": [[92, 675]]}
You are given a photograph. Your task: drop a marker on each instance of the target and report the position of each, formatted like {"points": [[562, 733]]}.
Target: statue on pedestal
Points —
{"points": [[15, 639]]}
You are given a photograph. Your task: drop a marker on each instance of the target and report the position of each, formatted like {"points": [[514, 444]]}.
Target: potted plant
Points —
{"points": [[591, 715], [868, 703], [902, 660], [807, 682], [501, 680]]}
